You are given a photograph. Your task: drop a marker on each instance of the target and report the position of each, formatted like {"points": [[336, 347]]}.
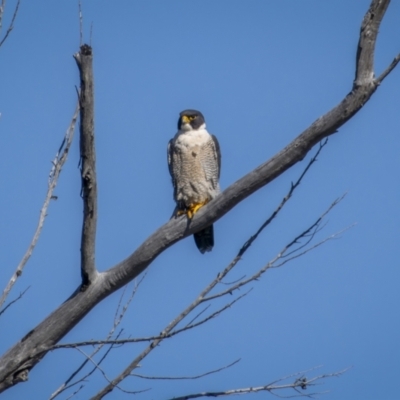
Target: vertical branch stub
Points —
{"points": [[84, 60]]}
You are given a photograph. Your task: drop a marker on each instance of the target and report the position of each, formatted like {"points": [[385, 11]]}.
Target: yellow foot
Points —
{"points": [[193, 208]]}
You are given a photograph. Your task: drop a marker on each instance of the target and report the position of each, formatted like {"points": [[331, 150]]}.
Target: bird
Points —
{"points": [[194, 162]]}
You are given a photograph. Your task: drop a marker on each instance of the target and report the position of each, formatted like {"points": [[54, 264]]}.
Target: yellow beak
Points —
{"points": [[185, 119]]}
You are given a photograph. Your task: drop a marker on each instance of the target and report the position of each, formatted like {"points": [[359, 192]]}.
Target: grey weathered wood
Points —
{"points": [[84, 60], [25, 354]]}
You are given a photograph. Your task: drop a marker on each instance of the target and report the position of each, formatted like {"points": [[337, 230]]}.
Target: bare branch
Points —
{"points": [[198, 301], [316, 223], [97, 366], [300, 383], [84, 60], [366, 43], [58, 162], [67, 385], [186, 377], [232, 282], [198, 315], [11, 26], [14, 301], [117, 341], [74, 393], [119, 315], [2, 7], [80, 24], [388, 70], [271, 264], [168, 331], [320, 243], [211, 316], [284, 200]]}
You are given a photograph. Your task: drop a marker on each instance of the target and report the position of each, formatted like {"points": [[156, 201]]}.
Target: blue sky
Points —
{"points": [[261, 72]]}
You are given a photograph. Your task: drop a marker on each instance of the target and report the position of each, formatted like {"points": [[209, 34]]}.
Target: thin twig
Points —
{"points": [[58, 162], [80, 24], [67, 385], [150, 338], [300, 383], [284, 200], [388, 70], [198, 315], [74, 393], [186, 377], [232, 282], [119, 315], [279, 256], [14, 301], [11, 26], [2, 7], [97, 366], [320, 243]]}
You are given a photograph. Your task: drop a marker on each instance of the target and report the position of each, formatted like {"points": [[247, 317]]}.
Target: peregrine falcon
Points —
{"points": [[194, 162]]}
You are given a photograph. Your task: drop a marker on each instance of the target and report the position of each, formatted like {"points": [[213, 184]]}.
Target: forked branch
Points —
{"points": [[169, 330]]}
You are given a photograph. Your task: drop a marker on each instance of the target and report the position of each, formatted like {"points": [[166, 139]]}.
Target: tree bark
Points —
{"points": [[84, 60]]}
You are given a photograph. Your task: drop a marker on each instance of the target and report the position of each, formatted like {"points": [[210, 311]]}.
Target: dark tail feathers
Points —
{"points": [[205, 239]]}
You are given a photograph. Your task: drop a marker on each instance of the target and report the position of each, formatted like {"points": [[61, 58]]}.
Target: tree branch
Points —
{"points": [[11, 26], [58, 163], [388, 70], [169, 378], [13, 301], [119, 315], [84, 60], [168, 331], [16, 363], [301, 382]]}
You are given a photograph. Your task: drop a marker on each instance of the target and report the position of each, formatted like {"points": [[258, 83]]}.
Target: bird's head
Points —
{"points": [[191, 120]]}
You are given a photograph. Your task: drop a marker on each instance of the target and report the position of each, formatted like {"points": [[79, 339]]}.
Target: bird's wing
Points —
{"points": [[170, 156], [212, 161], [218, 153], [171, 162]]}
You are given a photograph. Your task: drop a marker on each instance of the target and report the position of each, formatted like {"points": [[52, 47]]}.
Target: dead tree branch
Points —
{"points": [[11, 26], [14, 301], [279, 256], [84, 60], [119, 315], [301, 382], [16, 363], [169, 330], [242, 281], [284, 200], [58, 163], [169, 378], [162, 336]]}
